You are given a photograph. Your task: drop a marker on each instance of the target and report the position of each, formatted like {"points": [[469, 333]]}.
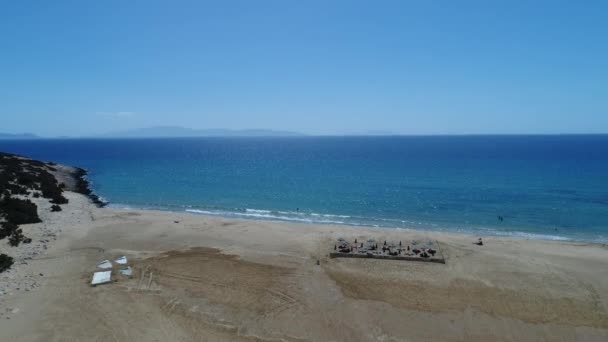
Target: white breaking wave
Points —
{"points": [[262, 214], [532, 236], [295, 213], [258, 211], [292, 216], [330, 215]]}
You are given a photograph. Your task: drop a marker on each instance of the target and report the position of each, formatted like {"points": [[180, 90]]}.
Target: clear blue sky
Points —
{"points": [[320, 67]]}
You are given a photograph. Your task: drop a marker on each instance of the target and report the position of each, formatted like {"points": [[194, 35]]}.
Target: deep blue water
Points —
{"points": [[543, 186]]}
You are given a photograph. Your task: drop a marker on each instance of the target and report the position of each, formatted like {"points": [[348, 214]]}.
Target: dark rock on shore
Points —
{"points": [[83, 186]]}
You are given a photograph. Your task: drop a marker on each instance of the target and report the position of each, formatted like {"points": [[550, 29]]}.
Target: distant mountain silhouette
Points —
{"points": [[174, 132], [374, 133], [18, 136]]}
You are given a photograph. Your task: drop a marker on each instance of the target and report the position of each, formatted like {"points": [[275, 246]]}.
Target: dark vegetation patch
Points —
{"points": [[18, 175], [19, 211], [23, 177], [5, 262], [50, 188], [7, 229], [17, 237]]}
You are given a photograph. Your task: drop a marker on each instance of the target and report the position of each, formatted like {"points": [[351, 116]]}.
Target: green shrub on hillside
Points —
{"points": [[18, 211], [5, 262], [6, 229]]}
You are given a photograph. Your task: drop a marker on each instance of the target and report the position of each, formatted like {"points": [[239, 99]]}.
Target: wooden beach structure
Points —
{"points": [[414, 250]]}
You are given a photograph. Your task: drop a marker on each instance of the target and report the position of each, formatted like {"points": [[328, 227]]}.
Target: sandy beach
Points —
{"points": [[200, 278], [303, 171]]}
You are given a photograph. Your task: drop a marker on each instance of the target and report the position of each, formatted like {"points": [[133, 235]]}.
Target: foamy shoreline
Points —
{"points": [[305, 218]]}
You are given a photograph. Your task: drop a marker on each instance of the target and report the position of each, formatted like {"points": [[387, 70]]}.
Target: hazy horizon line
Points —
{"points": [[28, 136]]}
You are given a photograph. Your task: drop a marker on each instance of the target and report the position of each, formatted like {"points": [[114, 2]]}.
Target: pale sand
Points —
{"points": [[216, 279]]}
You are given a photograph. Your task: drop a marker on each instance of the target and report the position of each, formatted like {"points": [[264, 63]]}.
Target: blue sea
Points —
{"points": [[546, 187]]}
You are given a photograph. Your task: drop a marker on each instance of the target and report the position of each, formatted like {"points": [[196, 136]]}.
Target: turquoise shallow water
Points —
{"points": [[551, 187]]}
